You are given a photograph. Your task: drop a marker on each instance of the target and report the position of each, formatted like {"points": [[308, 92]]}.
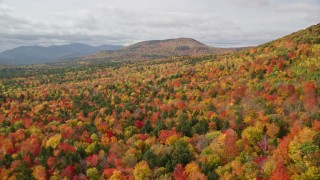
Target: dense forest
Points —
{"points": [[252, 114]]}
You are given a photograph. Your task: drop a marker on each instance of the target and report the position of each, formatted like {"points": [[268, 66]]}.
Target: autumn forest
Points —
{"points": [[252, 113]]}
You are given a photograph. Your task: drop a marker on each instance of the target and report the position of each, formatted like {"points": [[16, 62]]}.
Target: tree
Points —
{"points": [[253, 134], [179, 173], [182, 153], [39, 172], [93, 173], [280, 172], [201, 127], [142, 171]]}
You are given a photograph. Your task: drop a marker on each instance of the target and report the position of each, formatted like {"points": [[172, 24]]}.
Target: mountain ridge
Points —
{"points": [[154, 49], [40, 54]]}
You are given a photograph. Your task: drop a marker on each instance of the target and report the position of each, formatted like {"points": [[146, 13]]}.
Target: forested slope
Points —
{"points": [[244, 115]]}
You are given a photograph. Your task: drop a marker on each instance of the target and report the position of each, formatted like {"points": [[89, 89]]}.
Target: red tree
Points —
{"points": [[280, 172]]}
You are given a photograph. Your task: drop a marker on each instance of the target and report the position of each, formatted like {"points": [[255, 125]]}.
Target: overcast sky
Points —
{"points": [[224, 23]]}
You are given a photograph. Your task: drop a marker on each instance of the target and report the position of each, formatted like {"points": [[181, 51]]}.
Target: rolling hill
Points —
{"points": [[156, 49], [39, 54]]}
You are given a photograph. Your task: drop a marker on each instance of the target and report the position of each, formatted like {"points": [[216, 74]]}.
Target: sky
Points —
{"points": [[224, 23]]}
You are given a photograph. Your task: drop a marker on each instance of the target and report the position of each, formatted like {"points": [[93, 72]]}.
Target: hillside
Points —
{"points": [[252, 114], [39, 54], [157, 49]]}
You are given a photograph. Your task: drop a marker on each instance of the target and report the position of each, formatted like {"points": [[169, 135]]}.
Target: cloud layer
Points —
{"points": [[230, 23]]}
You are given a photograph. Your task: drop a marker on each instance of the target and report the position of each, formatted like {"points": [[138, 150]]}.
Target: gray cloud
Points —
{"points": [[217, 23], [249, 3], [305, 10]]}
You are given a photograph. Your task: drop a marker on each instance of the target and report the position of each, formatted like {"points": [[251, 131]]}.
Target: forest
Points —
{"points": [[252, 114]]}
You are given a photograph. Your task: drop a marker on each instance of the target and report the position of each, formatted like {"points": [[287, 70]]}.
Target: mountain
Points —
{"points": [[157, 49], [39, 54]]}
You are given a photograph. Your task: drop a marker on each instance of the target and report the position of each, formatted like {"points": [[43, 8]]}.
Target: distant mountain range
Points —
{"points": [[145, 50], [157, 49], [39, 54]]}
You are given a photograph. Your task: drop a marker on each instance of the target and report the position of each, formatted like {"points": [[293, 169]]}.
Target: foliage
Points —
{"points": [[252, 114]]}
